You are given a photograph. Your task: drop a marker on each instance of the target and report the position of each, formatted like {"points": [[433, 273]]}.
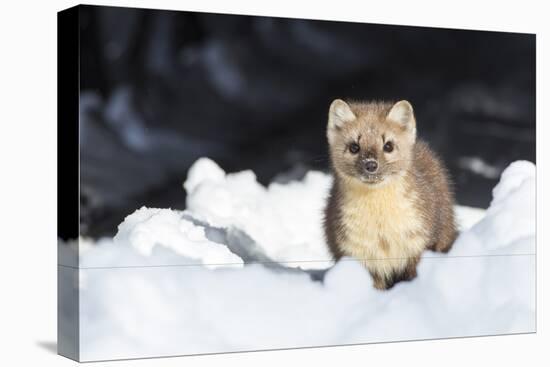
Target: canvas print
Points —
{"points": [[231, 183]]}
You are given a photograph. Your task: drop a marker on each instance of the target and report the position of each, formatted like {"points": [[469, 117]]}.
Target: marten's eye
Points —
{"points": [[354, 148], [388, 147]]}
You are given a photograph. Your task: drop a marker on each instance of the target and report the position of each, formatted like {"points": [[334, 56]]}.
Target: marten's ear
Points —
{"points": [[402, 113], [339, 113]]}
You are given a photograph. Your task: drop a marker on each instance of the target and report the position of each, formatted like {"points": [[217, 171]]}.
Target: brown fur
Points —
{"points": [[388, 218]]}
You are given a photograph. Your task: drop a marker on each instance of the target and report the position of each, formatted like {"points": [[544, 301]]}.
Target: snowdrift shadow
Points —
{"points": [[242, 245]]}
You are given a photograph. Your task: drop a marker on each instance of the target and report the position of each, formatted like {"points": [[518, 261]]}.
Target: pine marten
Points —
{"points": [[391, 198]]}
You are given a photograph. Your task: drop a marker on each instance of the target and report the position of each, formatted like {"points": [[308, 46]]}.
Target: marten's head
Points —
{"points": [[371, 142]]}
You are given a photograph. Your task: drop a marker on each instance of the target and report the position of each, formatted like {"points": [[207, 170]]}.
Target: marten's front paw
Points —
{"points": [[383, 283], [438, 247], [410, 274], [379, 283]]}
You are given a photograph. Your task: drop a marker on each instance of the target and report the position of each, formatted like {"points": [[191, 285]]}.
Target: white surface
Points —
{"points": [[150, 311], [285, 220], [28, 272]]}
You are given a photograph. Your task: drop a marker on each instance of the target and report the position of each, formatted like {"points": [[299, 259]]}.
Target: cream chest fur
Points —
{"points": [[383, 228]]}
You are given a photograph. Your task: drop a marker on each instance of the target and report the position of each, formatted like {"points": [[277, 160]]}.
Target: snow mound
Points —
{"points": [[508, 226], [283, 219], [154, 237], [132, 312]]}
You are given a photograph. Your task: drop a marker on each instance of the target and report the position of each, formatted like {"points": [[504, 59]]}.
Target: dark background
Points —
{"points": [[160, 89]]}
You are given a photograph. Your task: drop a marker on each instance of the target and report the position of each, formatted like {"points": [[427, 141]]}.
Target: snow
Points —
{"points": [[284, 219], [240, 269], [147, 228]]}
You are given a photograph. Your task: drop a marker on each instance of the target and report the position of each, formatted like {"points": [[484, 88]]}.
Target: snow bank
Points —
{"points": [[231, 219], [131, 311], [284, 219]]}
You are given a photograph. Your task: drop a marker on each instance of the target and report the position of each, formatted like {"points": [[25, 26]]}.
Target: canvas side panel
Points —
{"points": [[68, 180]]}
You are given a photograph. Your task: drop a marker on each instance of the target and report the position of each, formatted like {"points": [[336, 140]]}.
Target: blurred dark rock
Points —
{"points": [[161, 89]]}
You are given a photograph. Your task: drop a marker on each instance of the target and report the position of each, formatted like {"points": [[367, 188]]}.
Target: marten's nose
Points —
{"points": [[371, 166]]}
